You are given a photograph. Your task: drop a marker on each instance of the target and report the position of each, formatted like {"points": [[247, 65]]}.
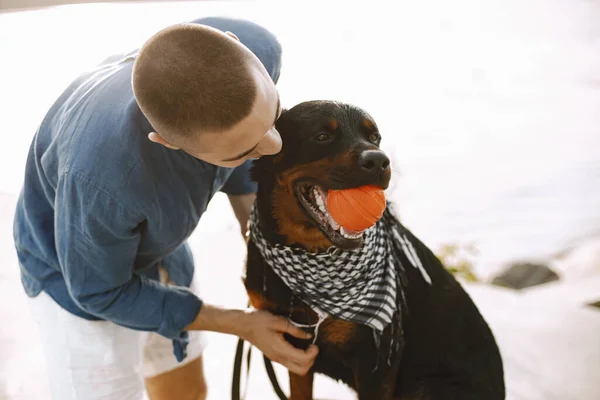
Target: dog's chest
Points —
{"points": [[342, 343], [335, 334], [342, 346], [335, 337]]}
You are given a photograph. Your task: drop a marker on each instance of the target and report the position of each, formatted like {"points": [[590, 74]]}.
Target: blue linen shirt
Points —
{"points": [[102, 206]]}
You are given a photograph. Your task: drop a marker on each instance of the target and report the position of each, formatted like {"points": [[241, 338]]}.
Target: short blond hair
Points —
{"points": [[189, 78]]}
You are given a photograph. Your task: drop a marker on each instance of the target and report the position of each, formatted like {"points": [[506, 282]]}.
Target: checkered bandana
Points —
{"points": [[358, 285]]}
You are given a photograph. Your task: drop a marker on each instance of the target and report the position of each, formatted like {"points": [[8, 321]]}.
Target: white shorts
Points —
{"points": [[88, 360]]}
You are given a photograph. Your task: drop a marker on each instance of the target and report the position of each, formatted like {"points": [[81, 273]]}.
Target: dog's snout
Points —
{"points": [[374, 161]]}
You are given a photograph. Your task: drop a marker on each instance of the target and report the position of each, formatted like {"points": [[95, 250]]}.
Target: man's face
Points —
{"points": [[253, 137]]}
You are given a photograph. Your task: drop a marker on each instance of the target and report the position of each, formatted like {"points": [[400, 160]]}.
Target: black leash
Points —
{"points": [[237, 372], [273, 378]]}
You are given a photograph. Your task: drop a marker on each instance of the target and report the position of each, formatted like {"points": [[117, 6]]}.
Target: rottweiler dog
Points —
{"points": [[437, 345]]}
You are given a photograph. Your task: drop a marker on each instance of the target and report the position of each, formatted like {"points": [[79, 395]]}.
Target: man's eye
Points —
{"points": [[323, 137]]}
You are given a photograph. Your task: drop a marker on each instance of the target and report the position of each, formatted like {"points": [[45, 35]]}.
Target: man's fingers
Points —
{"points": [[284, 325], [312, 351], [308, 356], [297, 369], [279, 350], [287, 351], [296, 360]]}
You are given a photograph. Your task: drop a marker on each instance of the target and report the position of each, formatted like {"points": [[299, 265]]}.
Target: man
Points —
{"points": [[117, 178]]}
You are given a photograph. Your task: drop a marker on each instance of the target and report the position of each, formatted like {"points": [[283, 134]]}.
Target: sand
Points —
{"points": [[490, 114]]}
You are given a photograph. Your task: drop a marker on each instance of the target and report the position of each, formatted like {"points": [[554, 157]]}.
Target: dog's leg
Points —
{"points": [[375, 385], [450, 389], [301, 387], [369, 389]]}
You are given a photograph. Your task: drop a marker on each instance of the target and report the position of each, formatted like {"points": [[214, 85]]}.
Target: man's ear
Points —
{"points": [[232, 35], [156, 138]]}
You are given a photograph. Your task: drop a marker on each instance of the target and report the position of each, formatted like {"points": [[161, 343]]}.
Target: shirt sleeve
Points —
{"points": [[239, 181], [97, 240]]}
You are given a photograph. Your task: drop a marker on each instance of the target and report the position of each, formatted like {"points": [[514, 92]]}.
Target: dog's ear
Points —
{"points": [[262, 169], [267, 167]]}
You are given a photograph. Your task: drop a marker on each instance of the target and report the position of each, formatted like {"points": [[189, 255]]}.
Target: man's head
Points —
{"points": [[207, 94]]}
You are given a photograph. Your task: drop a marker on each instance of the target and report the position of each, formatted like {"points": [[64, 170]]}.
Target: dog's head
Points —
{"points": [[326, 145]]}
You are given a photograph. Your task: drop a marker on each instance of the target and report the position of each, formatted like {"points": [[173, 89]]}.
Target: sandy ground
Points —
{"points": [[490, 114]]}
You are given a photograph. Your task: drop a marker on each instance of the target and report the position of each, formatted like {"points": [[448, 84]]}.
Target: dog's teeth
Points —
{"points": [[332, 223], [316, 192], [347, 235], [320, 202], [323, 208], [343, 233]]}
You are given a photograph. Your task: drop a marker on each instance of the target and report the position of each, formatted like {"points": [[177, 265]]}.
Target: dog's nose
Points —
{"points": [[374, 161]]}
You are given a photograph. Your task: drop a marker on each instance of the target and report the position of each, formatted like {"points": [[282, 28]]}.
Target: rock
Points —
{"points": [[524, 275]]}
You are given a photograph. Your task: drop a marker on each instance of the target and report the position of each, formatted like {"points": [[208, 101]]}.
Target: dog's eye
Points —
{"points": [[323, 137], [374, 137]]}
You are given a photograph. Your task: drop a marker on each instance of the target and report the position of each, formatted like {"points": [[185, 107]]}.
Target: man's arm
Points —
{"points": [[97, 240], [242, 205], [241, 191], [262, 329]]}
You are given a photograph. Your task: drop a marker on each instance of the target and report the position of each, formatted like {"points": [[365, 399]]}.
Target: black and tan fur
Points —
{"points": [[447, 350]]}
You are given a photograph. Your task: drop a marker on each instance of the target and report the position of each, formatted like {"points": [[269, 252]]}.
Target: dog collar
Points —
{"points": [[322, 316], [358, 285]]}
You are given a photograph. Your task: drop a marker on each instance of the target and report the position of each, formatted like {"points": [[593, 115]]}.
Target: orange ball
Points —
{"points": [[358, 208]]}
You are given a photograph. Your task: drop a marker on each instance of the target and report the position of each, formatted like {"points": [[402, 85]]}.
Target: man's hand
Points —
{"points": [[264, 330]]}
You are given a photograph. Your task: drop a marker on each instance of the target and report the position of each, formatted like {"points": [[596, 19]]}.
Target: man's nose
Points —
{"points": [[270, 144]]}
